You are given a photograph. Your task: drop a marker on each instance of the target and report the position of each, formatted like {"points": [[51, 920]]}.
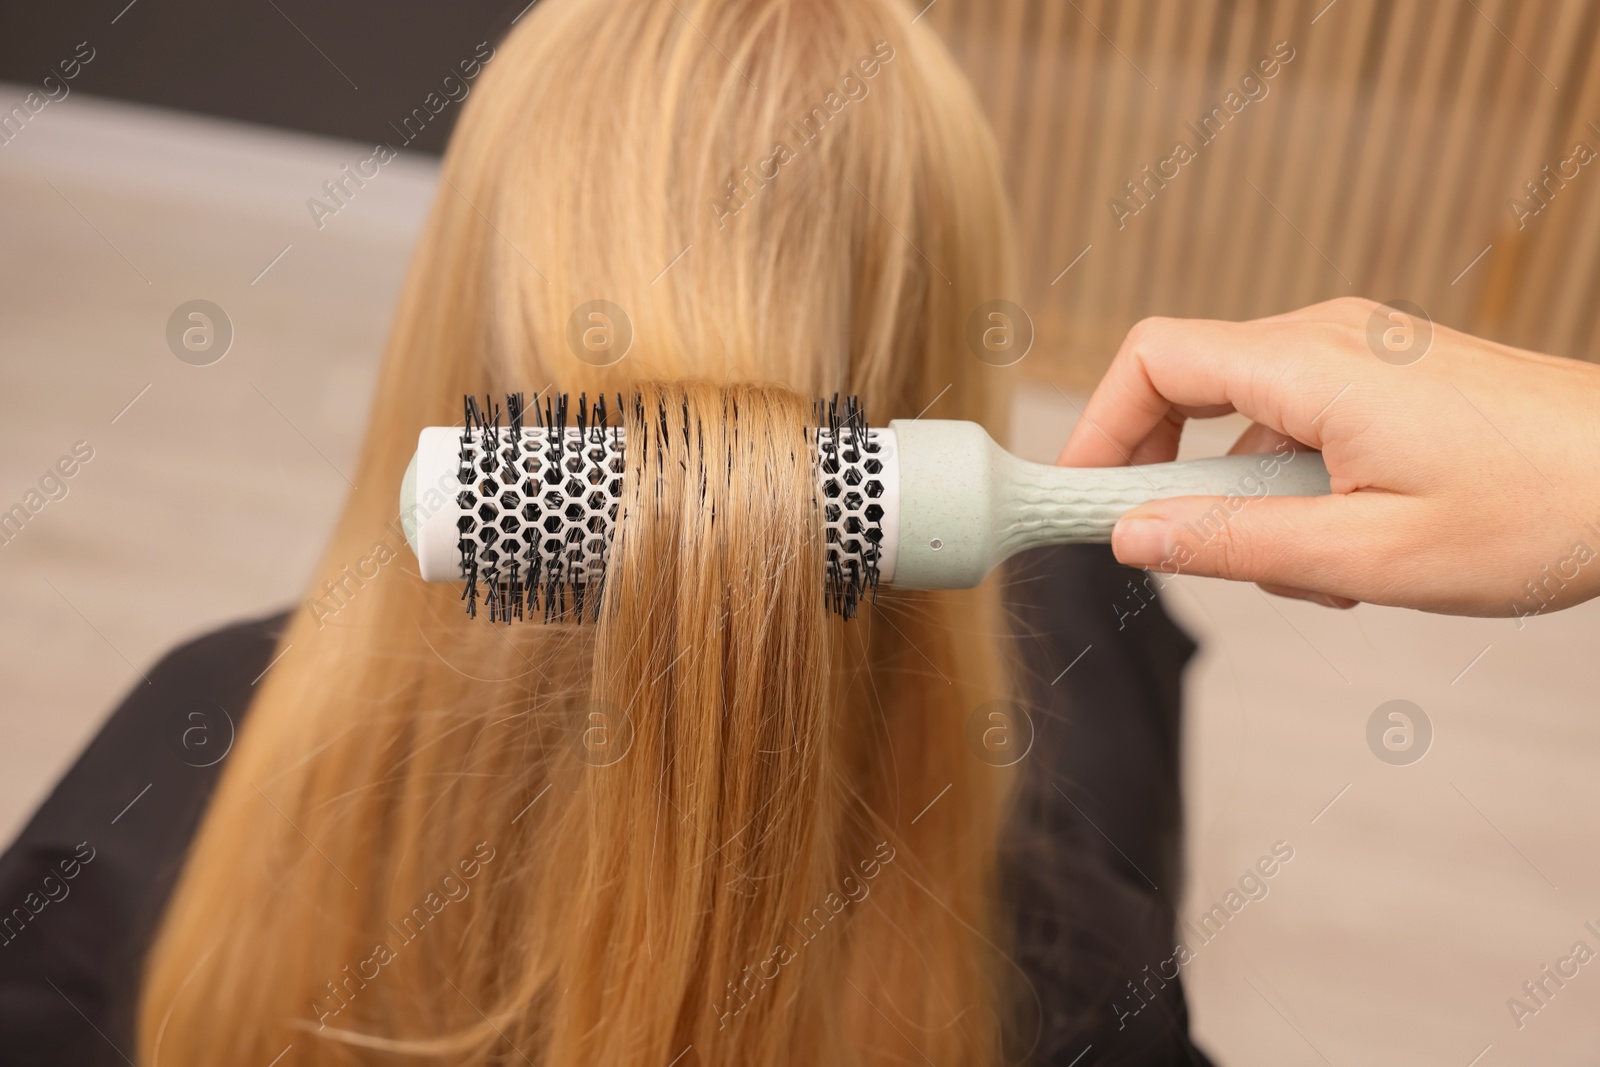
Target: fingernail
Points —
{"points": [[1140, 542]]}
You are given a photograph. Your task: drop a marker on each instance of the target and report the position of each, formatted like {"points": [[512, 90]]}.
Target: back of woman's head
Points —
{"points": [[718, 823]]}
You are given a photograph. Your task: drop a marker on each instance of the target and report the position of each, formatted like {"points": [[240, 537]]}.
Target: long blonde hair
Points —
{"points": [[788, 853]]}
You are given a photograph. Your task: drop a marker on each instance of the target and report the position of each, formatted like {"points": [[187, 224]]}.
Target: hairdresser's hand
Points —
{"points": [[1466, 482]]}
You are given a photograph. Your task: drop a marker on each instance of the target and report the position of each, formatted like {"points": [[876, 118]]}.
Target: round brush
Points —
{"points": [[523, 514]]}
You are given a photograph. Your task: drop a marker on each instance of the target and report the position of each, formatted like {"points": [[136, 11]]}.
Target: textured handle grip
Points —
{"points": [[966, 505], [1079, 505]]}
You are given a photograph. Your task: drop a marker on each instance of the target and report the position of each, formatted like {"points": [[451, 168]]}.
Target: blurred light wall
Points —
{"points": [[1381, 160]]}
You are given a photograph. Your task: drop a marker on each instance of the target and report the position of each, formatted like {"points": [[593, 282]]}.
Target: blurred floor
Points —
{"points": [[1419, 898]]}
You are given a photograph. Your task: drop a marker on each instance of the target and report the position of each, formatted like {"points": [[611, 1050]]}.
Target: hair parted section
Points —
{"points": [[714, 657]]}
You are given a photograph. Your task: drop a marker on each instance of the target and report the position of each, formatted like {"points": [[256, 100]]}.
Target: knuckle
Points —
{"points": [[1151, 328], [1235, 556], [1351, 342], [1345, 310], [1146, 342], [1353, 309], [1217, 545], [1144, 334], [1339, 338]]}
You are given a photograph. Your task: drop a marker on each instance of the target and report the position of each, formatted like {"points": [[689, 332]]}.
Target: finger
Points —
{"points": [[1315, 544], [1160, 445], [1325, 599], [1351, 310], [1259, 440], [1280, 374], [1142, 422]]}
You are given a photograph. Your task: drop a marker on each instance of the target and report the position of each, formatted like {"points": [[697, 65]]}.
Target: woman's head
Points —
{"points": [[716, 818], [798, 192]]}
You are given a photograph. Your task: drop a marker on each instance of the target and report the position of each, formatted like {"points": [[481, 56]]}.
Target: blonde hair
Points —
{"points": [[788, 854]]}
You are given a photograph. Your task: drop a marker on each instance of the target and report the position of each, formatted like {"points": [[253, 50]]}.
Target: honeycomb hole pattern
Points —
{"points": [[538, 510], [850, 477]]}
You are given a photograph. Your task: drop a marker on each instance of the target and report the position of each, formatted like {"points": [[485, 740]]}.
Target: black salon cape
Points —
{"points": [[1092, 859]]}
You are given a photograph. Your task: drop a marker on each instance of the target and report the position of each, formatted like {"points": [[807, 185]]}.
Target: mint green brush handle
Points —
{"points": [[965, 504]]}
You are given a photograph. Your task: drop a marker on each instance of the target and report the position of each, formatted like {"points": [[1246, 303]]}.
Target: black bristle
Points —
{"points": [[491, 596], [555, 432], [514, 409], [514, 594], [555, 603], [489, 426], [538, 582], [599, 594], [525, 580], [469, 561]]}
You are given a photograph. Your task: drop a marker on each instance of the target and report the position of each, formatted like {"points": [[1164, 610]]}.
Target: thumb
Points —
{"points": [[1304, 542]]}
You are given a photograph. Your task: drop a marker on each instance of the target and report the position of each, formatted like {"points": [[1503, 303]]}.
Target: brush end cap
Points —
{"points": [[408, 504]]}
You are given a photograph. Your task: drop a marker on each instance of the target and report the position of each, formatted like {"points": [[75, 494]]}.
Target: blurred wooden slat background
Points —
{"points": [[1380, 163]]}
